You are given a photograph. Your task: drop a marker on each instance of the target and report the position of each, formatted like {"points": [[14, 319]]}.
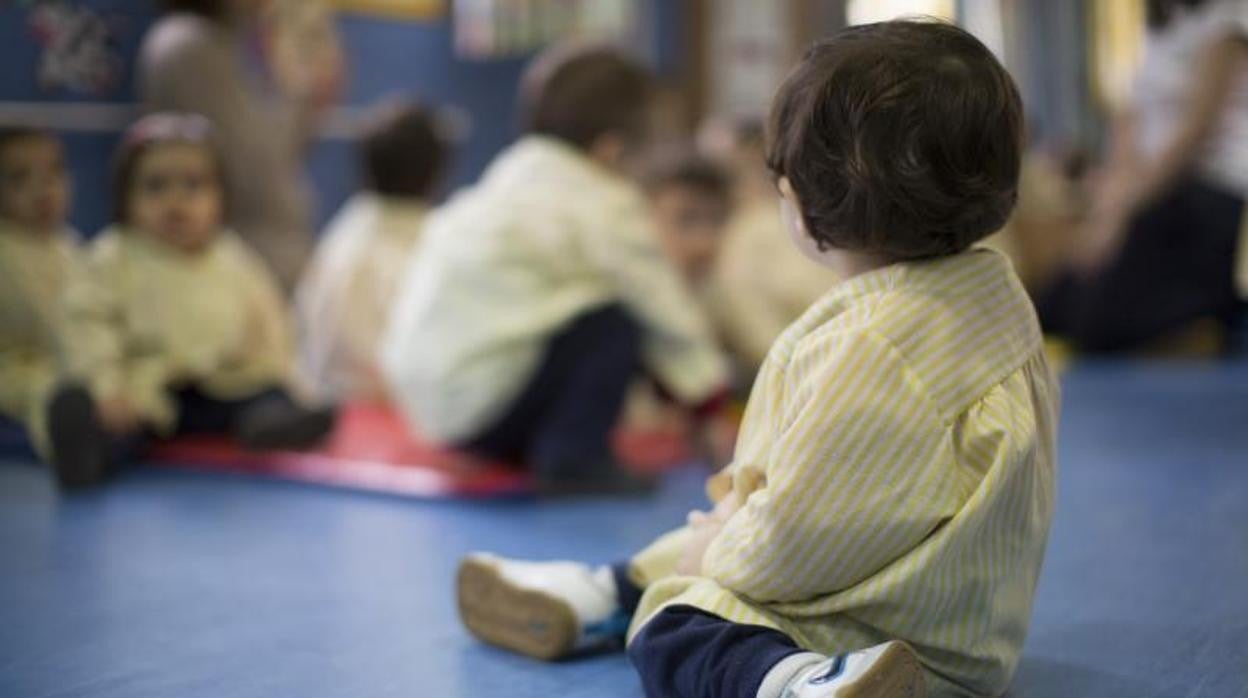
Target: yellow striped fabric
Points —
{"points": [[906, 426]]}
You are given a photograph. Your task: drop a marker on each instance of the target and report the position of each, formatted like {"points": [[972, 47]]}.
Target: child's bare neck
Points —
{"points": [[851, 264]]}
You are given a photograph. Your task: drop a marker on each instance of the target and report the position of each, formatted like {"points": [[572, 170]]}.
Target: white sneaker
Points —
{"points": [[545, 610], [890, 670]]}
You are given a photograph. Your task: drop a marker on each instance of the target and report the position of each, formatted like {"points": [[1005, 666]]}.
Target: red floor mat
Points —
{"points": [[371, 449]]}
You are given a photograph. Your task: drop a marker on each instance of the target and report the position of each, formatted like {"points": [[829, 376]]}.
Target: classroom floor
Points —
{"points": [[170, 583]]}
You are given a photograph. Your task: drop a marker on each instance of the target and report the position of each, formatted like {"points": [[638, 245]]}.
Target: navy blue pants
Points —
{"points": [[1176, 266], [684, 652], [198, 413], [571, 404]]}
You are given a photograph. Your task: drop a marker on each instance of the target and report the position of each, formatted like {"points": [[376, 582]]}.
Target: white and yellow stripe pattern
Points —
{"points": [[906, 427]]}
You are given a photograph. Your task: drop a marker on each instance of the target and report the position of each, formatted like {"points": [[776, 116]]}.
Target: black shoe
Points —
{"points": [[595, 477], [78, 442], [280, 426]]}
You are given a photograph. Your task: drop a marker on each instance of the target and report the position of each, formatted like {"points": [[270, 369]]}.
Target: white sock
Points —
{"points": [[780, 675]]}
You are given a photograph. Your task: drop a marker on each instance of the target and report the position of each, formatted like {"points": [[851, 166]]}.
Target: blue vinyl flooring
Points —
{"points": [[179, 584]]}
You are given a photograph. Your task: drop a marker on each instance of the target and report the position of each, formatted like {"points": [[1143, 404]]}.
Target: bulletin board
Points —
{"points": [[398, 9]]}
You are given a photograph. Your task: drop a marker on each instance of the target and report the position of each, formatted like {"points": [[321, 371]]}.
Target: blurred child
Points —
{"points": [[882, 527], [762, 283], [691, 198], [540, 293], [37, 255], [174, 326], [346, 294]]}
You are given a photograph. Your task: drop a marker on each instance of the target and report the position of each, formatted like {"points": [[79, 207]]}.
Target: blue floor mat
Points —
{"points": [[169, 583]]}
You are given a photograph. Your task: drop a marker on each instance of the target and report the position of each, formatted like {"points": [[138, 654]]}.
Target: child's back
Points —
{"points": [[905, 427], [544, 234], [345, 296]]}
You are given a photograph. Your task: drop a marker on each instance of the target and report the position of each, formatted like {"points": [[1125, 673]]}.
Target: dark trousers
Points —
{"points": [[571, 404], [1176, 266], [684, 652], [198, 413]]}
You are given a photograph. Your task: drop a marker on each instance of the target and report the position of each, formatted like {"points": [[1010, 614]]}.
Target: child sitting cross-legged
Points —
{"points": [[174, 325], [882, 526], [539, 294]]}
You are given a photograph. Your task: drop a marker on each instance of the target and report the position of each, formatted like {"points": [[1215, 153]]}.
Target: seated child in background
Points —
{"points": [[346, 294], [761, 283], [691, 199], [174, 325], [37, 255], [890, 499], [540, 293]]}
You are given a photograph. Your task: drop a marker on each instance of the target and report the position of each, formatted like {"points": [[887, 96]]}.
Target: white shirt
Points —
{"points": [[544, 237], [344, 299], [1162, 87]]}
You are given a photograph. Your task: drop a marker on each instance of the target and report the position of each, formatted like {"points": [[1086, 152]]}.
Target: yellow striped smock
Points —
{"points": [[906, 427]]}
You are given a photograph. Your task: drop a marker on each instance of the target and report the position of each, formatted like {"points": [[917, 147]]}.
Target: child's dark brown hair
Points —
{"points": [[580, 92], [151, 131], [403, 151], [685, 167], [900, 138], [13, 134]]}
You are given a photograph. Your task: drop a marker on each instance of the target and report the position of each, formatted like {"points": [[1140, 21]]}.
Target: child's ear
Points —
{"points": [[787, 193], [791, 211]]}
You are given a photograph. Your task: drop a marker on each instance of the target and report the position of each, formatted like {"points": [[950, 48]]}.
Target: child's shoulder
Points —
{"points": [[961, 322]]}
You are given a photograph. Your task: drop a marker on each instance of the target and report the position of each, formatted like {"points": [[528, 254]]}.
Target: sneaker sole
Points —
{"points": [[521, 620], [896, 674]]}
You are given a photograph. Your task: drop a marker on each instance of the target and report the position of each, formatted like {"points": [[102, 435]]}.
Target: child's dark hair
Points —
{"points": [[581, 92], [13, 134], [154, 130], [403, 152], [1161, 12], [685, 167], [900, 138], [212, 9]]}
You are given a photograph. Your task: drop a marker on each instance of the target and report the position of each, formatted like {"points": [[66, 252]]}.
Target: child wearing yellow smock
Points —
{"points": [[174, 325], [892, 489], [37, 256]]}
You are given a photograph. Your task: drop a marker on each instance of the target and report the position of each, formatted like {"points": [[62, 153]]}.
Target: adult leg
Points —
{"points": [[1176, 266]]}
